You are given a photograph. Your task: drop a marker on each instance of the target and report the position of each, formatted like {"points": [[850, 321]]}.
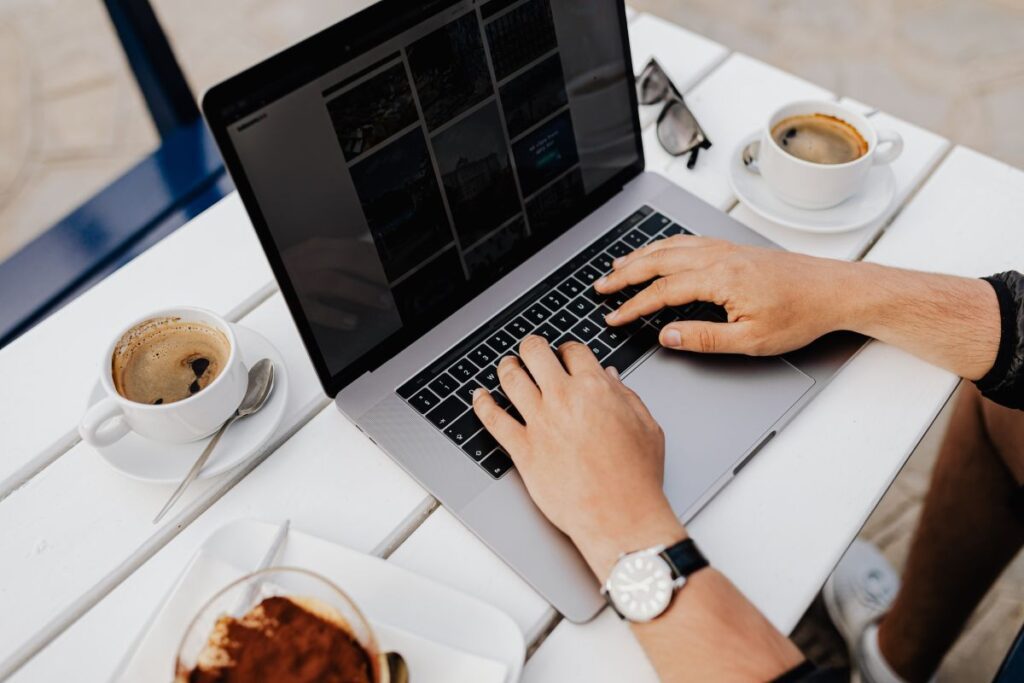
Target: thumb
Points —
{"points": [[705, 337]]}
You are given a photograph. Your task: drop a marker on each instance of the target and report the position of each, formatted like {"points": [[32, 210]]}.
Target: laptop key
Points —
{"points": [[674, 229], [631, 351], [445, 414], [425, 401], [443, 385], [537, 314], [619, 249], [463, 370], [602, 263], [519, 327], [571, 287], [480, 445], [548, 332], [464, 428], [412, 387], [612, 337], [483, 355], [635, 239], [502, 342], [488, 377], [588, 275], [465, 392], [563, 320], [653, 225], [585, 330], [554, 300], [497, 463], [598, 349], [581, 306]]}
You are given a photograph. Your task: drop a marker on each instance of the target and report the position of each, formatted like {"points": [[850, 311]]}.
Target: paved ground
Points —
{"points": [[71, 120]]}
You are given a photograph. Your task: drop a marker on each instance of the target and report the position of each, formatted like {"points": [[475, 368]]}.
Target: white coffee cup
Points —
{"points": [[809, 185], [182, 421]]}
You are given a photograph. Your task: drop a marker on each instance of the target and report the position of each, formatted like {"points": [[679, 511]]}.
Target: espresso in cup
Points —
{"points": [[820, 139], [164, 360]]}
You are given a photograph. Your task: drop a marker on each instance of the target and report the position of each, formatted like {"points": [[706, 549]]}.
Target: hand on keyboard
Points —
{"points": [[590, 454], [776, 301]]}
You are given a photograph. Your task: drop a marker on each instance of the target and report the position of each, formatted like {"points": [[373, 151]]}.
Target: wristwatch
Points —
{"points": [[642, 583]]}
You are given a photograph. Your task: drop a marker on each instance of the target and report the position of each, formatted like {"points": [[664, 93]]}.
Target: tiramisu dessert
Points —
{"points": [[284, 640]]}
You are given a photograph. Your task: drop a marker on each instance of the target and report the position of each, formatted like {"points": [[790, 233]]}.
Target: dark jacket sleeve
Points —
{"points": [[806, 672], [1004, 383]]}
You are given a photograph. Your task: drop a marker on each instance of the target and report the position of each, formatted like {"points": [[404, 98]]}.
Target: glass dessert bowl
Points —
{"points": [[286, 625]]}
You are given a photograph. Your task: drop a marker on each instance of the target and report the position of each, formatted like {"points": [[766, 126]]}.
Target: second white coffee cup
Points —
{"points": [[182, 421], [809, 185]]}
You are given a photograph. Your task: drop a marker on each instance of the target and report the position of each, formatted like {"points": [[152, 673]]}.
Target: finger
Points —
{"points": [[613, 373], [518, 386], [541, 361], [655, 264], [674, 242], [705, 337], [502, 426], [578, 358], [672, 290]]}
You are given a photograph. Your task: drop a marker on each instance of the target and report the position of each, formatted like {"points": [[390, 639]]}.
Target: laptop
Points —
{"points": [[433, 181]]}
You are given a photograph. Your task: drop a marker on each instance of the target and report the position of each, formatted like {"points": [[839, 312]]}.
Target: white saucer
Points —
{"points": [[158, 462], [863, 208]]}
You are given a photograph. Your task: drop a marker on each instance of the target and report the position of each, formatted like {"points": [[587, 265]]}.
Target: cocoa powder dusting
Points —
{"points": [[280, 641]]}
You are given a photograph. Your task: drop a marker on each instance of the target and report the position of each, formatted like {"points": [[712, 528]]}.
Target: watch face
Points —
{"points": [[641, 586]]}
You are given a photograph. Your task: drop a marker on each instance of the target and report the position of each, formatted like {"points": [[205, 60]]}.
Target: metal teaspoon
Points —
{"points": [[261, 383]]}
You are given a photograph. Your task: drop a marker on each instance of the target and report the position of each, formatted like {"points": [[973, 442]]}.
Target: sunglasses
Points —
{"points": [[678, 130]]}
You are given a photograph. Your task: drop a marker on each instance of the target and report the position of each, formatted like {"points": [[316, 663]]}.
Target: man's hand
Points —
{"points": [[590, 454], [593, 460], [777, 301]]}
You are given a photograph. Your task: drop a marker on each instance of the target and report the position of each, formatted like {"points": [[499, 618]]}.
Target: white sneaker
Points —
{"points": [[859, 592]]}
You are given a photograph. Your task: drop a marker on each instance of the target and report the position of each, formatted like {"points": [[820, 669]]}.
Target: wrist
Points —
{"points": [[602, 548], [855, 301]]}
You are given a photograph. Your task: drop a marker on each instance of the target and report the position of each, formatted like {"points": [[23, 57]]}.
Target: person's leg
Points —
{"points": [[966, 535]]}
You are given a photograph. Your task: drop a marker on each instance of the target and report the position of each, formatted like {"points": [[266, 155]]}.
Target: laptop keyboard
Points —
{"points": [[562, 308]]}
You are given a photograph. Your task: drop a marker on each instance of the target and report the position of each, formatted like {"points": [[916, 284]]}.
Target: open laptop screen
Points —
{"points": [[414, 155]]}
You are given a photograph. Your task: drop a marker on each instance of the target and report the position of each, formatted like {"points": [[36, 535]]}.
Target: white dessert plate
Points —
{"points": [[444, 635], [155, 461], [865, 207]]}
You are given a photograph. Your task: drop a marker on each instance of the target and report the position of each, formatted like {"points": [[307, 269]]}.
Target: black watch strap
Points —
{"points": [[684, 558]]}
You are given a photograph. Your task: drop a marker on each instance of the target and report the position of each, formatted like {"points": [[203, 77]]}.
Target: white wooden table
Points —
{"points": [[82, 568]]}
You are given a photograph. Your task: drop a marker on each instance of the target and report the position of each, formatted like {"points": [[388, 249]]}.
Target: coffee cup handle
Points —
{"points": [[749, 157], [103, 424], [893, 143]]}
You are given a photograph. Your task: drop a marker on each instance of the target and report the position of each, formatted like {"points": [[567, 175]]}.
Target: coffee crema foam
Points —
{"points": [[820, 139], [163, 360]]}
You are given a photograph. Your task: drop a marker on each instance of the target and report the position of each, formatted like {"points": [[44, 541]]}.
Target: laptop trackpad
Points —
{"points": [[713, 409]]}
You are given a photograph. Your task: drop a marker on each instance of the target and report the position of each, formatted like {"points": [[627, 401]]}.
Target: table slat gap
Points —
{"points": [[407, 528]]}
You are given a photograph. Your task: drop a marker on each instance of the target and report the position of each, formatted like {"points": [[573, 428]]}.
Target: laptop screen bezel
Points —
{"points": [[232, 100]]}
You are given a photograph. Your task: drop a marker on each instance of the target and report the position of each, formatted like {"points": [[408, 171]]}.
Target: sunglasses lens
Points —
{"points": [[678, 131], [652, 85]]}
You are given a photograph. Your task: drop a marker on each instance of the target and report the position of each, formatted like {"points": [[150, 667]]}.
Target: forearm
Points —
{"points": [[950, 321], [710, 632]]}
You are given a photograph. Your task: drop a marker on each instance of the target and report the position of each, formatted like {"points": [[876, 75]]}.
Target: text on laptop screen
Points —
{"points": [[400, 184]]}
